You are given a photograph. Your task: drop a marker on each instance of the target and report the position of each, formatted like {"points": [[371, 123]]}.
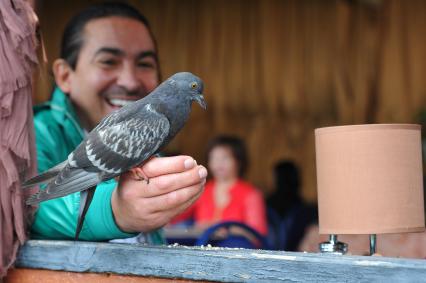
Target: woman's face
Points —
{"points": [[222, 163]]}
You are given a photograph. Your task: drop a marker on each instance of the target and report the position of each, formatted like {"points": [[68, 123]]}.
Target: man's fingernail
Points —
{"points": [[189, 163], [202, 172]]}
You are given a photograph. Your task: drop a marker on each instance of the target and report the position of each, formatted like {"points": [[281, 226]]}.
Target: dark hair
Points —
{"points": [[287, 176], [72, 39], [237, 147]]}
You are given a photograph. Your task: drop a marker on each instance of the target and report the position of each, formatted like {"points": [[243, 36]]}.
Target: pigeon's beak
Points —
{"points": [[200, 100]]}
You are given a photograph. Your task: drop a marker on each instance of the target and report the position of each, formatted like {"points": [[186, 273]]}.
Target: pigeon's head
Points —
{"points": [[191, 86]]}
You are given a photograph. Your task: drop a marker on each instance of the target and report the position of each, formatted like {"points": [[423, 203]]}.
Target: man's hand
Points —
{"points": [[174, 184]]}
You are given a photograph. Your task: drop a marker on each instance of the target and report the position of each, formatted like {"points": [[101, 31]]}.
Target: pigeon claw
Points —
{"points": [[139, 175]]}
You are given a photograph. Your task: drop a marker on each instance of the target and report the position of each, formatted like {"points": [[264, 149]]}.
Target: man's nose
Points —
{"points": [[129, 80]]}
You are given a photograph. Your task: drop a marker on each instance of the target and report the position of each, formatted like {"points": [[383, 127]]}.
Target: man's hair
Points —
{"points": [[72, 39], [237, 147]]}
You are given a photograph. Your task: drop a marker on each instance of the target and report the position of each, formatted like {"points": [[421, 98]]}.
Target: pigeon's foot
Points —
{"points": [[139, 175]]}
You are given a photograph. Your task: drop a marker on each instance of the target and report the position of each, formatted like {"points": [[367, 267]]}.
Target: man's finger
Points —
{"points": [[165, 183], [158, 166], [171, 202], [168, 183]]}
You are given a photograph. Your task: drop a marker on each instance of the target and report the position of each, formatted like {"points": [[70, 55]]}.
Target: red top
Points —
{"points": [[246, 205]]}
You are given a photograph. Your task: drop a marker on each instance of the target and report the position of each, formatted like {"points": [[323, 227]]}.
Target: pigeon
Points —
{"points": [[124, 139]]}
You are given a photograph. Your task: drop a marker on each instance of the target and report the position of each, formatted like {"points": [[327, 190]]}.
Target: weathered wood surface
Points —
{"points": [[224, 265]]}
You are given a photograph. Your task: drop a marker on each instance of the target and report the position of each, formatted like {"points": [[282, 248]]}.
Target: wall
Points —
{"points": [[276, 70]]}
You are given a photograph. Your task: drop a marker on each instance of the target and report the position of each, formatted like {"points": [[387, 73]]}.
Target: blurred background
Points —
{"points": [[276, 70]]}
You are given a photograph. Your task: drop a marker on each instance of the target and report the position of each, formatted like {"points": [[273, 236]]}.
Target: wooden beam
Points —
{"points": [[216, 264]]}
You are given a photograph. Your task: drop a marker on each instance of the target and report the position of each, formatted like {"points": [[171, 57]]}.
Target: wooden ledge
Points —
{"points": [[216, 264]]}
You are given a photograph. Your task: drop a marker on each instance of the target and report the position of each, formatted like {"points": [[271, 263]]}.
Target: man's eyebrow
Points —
{"points": [[119, 52], [149, 53], [111, 50]]}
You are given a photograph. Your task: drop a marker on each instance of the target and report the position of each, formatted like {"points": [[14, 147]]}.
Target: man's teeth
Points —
{"points": [[120, 102]]}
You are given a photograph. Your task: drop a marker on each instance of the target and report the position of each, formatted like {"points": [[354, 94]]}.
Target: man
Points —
{"points": [[108, 59]]}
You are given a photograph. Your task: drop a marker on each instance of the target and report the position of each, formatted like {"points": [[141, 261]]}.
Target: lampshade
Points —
{"points": [[369, 179]]}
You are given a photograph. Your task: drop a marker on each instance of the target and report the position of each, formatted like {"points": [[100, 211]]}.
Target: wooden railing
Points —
{"points": [[214, 264]]}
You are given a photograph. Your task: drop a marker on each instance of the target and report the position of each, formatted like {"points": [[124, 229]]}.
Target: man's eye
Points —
{"points": [[109, 62], [145, 64]]}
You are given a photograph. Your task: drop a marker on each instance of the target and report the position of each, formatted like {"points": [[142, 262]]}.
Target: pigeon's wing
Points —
{"points": [[115, 117], [117, 147], [108, 152]]}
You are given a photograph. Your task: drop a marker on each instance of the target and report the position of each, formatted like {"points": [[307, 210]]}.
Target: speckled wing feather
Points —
{"points": [[109, 150], [115, 148]]}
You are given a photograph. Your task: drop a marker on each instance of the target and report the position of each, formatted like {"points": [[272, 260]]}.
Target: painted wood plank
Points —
{"points": [[217, 264]]}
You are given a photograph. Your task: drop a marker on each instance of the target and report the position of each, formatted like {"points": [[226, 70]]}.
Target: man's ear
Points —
{"points": [[62, 72]]}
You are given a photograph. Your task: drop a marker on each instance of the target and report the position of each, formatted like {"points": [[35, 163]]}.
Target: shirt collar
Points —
{"points": [[64, 110], [61, 101]]}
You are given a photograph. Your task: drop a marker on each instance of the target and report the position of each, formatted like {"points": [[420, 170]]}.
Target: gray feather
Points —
{"points": [[45, 176], [85, 200], [79, 180]]}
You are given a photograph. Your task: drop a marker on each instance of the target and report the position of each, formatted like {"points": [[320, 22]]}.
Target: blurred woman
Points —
{"points": [[227, 196]]}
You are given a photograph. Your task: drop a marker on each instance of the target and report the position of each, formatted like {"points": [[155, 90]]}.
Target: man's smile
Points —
{"points": [[119, 102]]}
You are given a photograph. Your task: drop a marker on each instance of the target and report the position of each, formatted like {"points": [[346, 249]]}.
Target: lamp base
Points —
{"points": [[333, 246], [373, 244]]}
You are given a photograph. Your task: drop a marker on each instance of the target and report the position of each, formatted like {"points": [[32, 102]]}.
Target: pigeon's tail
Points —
{"points": [[44, 177], [85, 200], [69, 180]]}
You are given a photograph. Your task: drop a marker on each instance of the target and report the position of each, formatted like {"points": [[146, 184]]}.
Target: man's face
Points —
{"points": [[116, 64]]}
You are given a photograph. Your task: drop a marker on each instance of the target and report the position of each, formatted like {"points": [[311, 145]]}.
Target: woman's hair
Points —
{"points": [[237, 147]]}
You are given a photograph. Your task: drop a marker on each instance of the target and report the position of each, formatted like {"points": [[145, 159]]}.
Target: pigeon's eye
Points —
{"points": [[194, 85]]}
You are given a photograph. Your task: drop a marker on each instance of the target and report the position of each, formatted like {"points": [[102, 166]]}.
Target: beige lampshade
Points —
{"points": [[369, 179]]}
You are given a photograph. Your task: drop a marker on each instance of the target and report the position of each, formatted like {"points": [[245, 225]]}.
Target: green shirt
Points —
{"points": [[58, 132]]}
